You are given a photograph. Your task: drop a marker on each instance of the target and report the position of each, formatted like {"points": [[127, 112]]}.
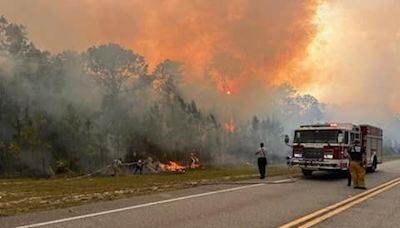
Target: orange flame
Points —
{"points": [[230, 126], [243, 41], [172, 167], [224, 83]]}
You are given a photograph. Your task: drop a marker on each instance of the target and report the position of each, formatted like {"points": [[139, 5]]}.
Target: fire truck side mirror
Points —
{"points": [[340, 137], [286, 139]]}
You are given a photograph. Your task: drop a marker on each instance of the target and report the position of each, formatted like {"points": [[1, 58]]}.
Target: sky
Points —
{"points": [[359, 48], [345, 53]]}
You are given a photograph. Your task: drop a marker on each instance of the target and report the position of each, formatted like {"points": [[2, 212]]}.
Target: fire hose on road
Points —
{"points": [[102, 169], [290, 178]]}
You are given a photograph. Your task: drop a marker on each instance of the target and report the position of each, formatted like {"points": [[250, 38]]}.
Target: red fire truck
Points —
{"points": [[326, 146]]}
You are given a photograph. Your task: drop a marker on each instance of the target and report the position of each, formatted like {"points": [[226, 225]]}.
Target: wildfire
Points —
{"points": [[172, 167], [243, 40], [175, 167], [224, 82], [230, 125]]}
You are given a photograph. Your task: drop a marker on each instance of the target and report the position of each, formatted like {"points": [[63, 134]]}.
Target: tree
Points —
{"points": [[166, 76], [13, 41], [116, 69], [295, 109], [33, 134]]}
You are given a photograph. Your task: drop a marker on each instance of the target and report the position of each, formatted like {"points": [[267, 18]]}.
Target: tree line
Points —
{"points": [[77, 111]]}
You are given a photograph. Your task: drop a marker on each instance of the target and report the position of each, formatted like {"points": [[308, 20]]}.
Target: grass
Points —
{"points": [[390, 157], [390, 154], [26, 195]]}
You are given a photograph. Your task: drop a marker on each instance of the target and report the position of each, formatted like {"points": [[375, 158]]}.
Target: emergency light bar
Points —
{"points": [[320, 125], [348, 126]]}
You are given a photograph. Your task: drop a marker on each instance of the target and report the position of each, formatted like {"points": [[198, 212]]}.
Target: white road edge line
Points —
{"points": [[139, 206]]}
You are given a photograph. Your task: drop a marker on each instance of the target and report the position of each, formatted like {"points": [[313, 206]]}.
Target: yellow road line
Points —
{"points": [[322, 214], [345, 207]]}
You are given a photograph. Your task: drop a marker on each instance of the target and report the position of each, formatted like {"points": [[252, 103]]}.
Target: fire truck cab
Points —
{"points": [[326, 146]]}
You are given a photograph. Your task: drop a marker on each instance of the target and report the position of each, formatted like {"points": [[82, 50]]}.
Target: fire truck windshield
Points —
{"points": [[316, 136]]}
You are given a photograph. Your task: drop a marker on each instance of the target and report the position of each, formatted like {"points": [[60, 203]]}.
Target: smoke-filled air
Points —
{"points": [[85, 82]]}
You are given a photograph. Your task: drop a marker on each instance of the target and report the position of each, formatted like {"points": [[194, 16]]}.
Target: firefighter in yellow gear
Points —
{"points": [[357, 165]]}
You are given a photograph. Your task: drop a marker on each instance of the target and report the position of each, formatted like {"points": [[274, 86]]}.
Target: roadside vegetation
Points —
{"points": [[26, 195], [75, 112], [390, 153], [72, 113]]}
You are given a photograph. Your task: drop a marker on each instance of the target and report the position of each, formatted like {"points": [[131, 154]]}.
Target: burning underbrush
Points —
{"points": [[173, 167]]}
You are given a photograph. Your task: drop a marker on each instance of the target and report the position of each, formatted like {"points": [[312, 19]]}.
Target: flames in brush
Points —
{"points": [[172, 167], [230, 126]]}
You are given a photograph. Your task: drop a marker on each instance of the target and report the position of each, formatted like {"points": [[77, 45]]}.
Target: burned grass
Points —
{"points": [[26, 195]]}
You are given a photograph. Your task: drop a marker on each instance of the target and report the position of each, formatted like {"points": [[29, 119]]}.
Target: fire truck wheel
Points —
{"points": [[373, 166], [306, 172]]}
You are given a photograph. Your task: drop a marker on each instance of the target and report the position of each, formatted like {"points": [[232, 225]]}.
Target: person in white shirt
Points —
{"points": [[262, 160]]}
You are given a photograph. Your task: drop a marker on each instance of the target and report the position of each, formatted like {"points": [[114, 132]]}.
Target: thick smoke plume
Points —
{"points": [[238, 67], [240, 46], [356, 57]]}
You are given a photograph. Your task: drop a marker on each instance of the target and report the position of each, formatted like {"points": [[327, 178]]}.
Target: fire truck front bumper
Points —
{"points": [[326, 164]]}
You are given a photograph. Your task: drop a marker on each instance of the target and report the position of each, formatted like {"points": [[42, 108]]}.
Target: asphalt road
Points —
{"points": [[246, 204]]}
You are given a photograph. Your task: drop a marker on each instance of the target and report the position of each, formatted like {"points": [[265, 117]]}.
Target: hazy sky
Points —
{"points": [[231, 38], [360, 52], [347, 53]]}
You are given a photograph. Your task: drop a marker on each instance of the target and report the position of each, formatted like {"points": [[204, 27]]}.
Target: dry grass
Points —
{"points": [[25, 195]]}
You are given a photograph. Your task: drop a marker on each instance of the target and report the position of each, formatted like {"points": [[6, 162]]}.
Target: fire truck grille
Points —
{"points": [[313, 153]]}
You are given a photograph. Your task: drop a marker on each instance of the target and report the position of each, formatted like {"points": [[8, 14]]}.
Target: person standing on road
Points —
{"points": [[261, 160], [357, 165]]}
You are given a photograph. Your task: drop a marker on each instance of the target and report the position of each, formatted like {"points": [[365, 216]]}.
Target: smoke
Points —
{"points": [[356, 55], [235, 53], [240, 46], [345, 53]]}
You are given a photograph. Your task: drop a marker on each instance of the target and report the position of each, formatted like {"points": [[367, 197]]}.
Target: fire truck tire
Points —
{"points": [[306, 172], [374, 166]]}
